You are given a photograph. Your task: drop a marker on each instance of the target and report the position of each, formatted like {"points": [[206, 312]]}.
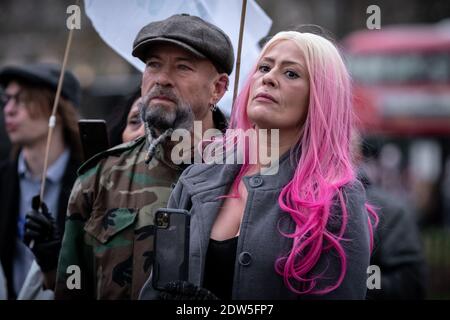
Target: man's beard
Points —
{"points": [[160, 121], [160, 118]]}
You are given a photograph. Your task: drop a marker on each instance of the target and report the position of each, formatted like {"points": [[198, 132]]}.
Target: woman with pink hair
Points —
{"points": [[305, 231]]}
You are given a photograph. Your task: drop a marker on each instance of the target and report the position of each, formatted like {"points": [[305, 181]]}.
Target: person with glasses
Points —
{"points": [[27, 99]]}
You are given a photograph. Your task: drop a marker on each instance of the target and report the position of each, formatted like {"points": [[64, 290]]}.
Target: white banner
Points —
{"points": [[118, 22]]}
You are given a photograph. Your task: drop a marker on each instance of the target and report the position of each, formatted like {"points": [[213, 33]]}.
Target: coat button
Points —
{"points": [[256, 182], [245, 258]]}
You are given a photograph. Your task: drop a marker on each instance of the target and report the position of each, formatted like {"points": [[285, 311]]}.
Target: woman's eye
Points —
{"points": [[292, 74], [264, 68], [134, 121]]}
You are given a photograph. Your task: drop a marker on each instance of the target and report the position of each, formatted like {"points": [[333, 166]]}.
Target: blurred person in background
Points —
{"points": [[446, 193], [27, 102], [126, 123], [398, 250]]}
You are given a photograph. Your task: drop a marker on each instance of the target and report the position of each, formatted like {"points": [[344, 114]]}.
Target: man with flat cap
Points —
{"points": [[109, 229], [27, 101]]}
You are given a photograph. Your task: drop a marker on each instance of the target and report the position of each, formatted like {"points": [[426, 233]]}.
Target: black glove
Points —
{"points": [[183, 290], [41, 231]]}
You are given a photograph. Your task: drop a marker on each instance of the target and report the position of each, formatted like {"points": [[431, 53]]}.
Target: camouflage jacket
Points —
{"points": [[109, 227]]}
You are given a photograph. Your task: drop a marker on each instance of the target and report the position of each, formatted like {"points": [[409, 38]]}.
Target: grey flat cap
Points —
{"points": [[192, 33]]}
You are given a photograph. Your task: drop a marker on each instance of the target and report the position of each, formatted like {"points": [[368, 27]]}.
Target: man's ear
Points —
{"points": [[220, 87]]}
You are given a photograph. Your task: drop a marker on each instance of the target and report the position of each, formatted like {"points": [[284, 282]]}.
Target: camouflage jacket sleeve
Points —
{"points": [[75, 278]]}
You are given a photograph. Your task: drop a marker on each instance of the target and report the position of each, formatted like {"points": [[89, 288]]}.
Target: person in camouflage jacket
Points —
{"points": [[107, 250]]}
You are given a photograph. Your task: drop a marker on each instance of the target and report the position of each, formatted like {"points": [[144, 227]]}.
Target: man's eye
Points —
{"points": [[292, 74], [184, 67], [153, 64]]}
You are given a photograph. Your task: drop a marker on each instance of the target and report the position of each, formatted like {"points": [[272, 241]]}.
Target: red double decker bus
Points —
{"points": [[401, 78]]}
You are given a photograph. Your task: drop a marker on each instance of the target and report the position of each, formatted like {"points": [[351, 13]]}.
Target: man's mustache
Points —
{"points": [[161, 92], [181, 117]]}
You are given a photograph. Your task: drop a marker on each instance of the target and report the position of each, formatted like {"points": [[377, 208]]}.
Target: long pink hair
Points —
{"points": [[324, 166]]}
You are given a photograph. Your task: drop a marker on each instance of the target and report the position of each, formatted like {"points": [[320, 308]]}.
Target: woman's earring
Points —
{"points": [[213, 107]]}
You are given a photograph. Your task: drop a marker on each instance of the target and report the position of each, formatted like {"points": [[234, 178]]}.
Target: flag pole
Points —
{"points": [[238, 58], [52, 119]]}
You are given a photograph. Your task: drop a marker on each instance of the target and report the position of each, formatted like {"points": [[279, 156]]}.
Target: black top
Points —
{"points": [[9, 203], [219, 267]]}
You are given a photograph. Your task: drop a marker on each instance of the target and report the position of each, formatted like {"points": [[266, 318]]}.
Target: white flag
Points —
{"points": [[118, 22]]}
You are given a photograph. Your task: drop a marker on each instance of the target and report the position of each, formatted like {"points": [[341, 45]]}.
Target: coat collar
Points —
{"points": [[206, 179]]}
